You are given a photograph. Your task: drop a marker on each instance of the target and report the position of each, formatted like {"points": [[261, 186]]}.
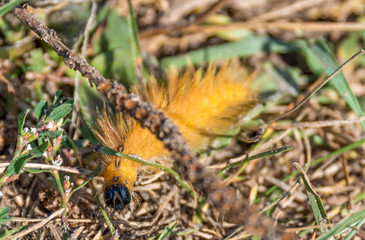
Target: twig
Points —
{"points": [[75, 220], [285, 11], [50, 167], [319, 124], [297, 229], [317, 87], [36, 226]]}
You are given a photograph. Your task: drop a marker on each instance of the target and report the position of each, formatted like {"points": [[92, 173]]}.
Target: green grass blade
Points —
{"points": [[9, 6], [353, 231], [344, 225], [109, 151], [167, 231], [246, 47], [318, 161], [260, 155], [315, 200]]}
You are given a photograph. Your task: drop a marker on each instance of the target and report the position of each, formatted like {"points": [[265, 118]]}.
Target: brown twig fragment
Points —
{"points": [[36, 226], [225, 199]]}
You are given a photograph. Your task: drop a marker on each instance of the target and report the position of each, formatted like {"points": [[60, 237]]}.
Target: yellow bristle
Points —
{"points": [[113, 131], [201, 104]]}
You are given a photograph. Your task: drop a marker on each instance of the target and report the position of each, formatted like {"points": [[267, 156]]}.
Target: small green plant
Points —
{"points": [[43, 141]]}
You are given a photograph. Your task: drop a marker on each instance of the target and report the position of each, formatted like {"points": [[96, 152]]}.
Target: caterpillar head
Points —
{"points": [[117, 196]]}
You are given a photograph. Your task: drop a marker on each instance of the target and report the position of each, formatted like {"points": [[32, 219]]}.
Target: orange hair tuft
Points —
{"points": [[202, 105]]}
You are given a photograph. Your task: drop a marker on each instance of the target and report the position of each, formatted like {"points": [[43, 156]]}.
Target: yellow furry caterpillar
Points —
{"points": [[202, 104]]}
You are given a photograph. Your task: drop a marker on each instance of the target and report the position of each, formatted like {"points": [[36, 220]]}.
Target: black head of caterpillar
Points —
{"points": [[117, 196]]}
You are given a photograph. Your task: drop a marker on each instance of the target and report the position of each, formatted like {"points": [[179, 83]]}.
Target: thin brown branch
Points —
{"points": [[297, 229], [49, 167], [36, 226], [320, 124], [289, 10]]}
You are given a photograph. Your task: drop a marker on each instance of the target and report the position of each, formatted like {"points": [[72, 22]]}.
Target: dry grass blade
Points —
{"points": [[315, 200], [38, 225], [316, 88], [50, 167], [307, 227]]}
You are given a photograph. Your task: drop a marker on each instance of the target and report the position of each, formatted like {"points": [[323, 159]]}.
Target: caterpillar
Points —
{"points": [[203, 104]]}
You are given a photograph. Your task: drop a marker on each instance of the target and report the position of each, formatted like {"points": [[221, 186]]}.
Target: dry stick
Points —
{"points": [[36, 226], [316, 88], [319, 124], [289, 10], [50, 167], [149, 116]]}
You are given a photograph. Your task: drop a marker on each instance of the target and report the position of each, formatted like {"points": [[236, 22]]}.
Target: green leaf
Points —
{"points": [[57, 97], [37, 171], [38, 151], [4, 233], [4, 215], [60, 111], [21, 120], [9, 6], [167, 231], [40, 109], [108, 151], [315, 200], [51, 134], [17, 164], [246, 47], [344, 225]]}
